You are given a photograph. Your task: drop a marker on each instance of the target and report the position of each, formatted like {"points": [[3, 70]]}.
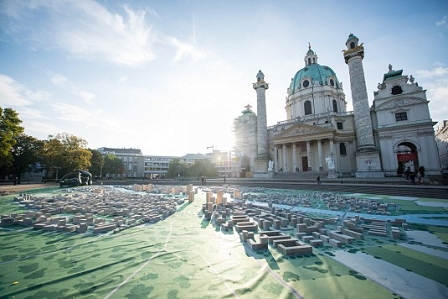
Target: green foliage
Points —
{"points": [[112, 165], [199, 168], [96, 163], [26, 152], [202, 168], [10, 129], [175, 169], [67, 152]]}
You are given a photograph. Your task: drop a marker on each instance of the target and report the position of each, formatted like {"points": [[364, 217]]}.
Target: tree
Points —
{"points": [[202, 168], [26, 152], [52, 154], [96, 163], [66, 152], [112, 165], [9, 130], [176, 169]]}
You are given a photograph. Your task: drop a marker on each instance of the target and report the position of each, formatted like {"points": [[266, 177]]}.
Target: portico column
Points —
{"points": [[319, 153], [285, 165], [332, 151], [308, 153], [294, 156], [275, 158]]}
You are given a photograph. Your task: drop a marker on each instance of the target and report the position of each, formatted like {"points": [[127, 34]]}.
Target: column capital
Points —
{"points": [[259, 85], [357, 51]]}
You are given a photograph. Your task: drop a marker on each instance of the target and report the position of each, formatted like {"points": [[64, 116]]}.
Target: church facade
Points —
{"points": [[394, 134]]}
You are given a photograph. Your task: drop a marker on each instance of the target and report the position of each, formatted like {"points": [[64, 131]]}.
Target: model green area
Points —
{"points": [[179, 257]]}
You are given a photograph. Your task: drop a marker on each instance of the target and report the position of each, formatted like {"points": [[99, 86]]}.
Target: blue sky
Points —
{"points": [[169, 77]]}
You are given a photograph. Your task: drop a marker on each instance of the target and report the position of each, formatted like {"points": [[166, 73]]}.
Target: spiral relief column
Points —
{"points": [[368, 163], [261, 162]]}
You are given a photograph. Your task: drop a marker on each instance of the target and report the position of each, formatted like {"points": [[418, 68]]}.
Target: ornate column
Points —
{"points": [[319, 154], [294, 156], [262, 159], [368, 162], [262, 132], [308, 154]]}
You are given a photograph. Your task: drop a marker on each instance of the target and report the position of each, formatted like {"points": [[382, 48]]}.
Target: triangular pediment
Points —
{"points": [[302, 130]]}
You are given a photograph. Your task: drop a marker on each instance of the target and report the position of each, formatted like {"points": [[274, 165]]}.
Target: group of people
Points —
{"points": [[411, 175]]}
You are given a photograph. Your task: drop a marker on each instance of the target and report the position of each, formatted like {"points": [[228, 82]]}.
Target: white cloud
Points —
{"points": [[39, 129], [84, 29], [85, 117], [12, 94], [63, 82], [436, 82], [184, 50], [58, 80], [443, 22], [436, 72]]}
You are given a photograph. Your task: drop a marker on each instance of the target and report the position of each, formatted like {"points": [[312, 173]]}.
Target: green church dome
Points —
{"points": [[314, 73]]}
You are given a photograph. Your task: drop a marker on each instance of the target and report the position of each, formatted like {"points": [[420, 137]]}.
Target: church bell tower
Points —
{"points": [[368, 163]]}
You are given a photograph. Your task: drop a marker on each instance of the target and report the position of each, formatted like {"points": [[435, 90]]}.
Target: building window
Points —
{"points": [[306, 83], [400, 116], [339, 125], [331, 82], [342, 149], [335, 106], [397, 90], [307, 107]]}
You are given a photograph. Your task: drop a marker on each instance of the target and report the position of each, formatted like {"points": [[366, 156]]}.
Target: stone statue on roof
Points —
{"points": [[390, 67]]}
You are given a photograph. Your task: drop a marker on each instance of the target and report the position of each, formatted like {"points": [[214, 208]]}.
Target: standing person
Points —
{"points": [[318, 180], [412, 177], [421, 174], [224, 179]]}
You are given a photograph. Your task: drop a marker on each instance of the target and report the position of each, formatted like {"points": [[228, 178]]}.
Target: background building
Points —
{"points": [[442, 144], [157, 166], [133, 160]]}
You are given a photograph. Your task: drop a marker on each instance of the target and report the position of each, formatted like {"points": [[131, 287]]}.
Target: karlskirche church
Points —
{"points": [[393, 135]]}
